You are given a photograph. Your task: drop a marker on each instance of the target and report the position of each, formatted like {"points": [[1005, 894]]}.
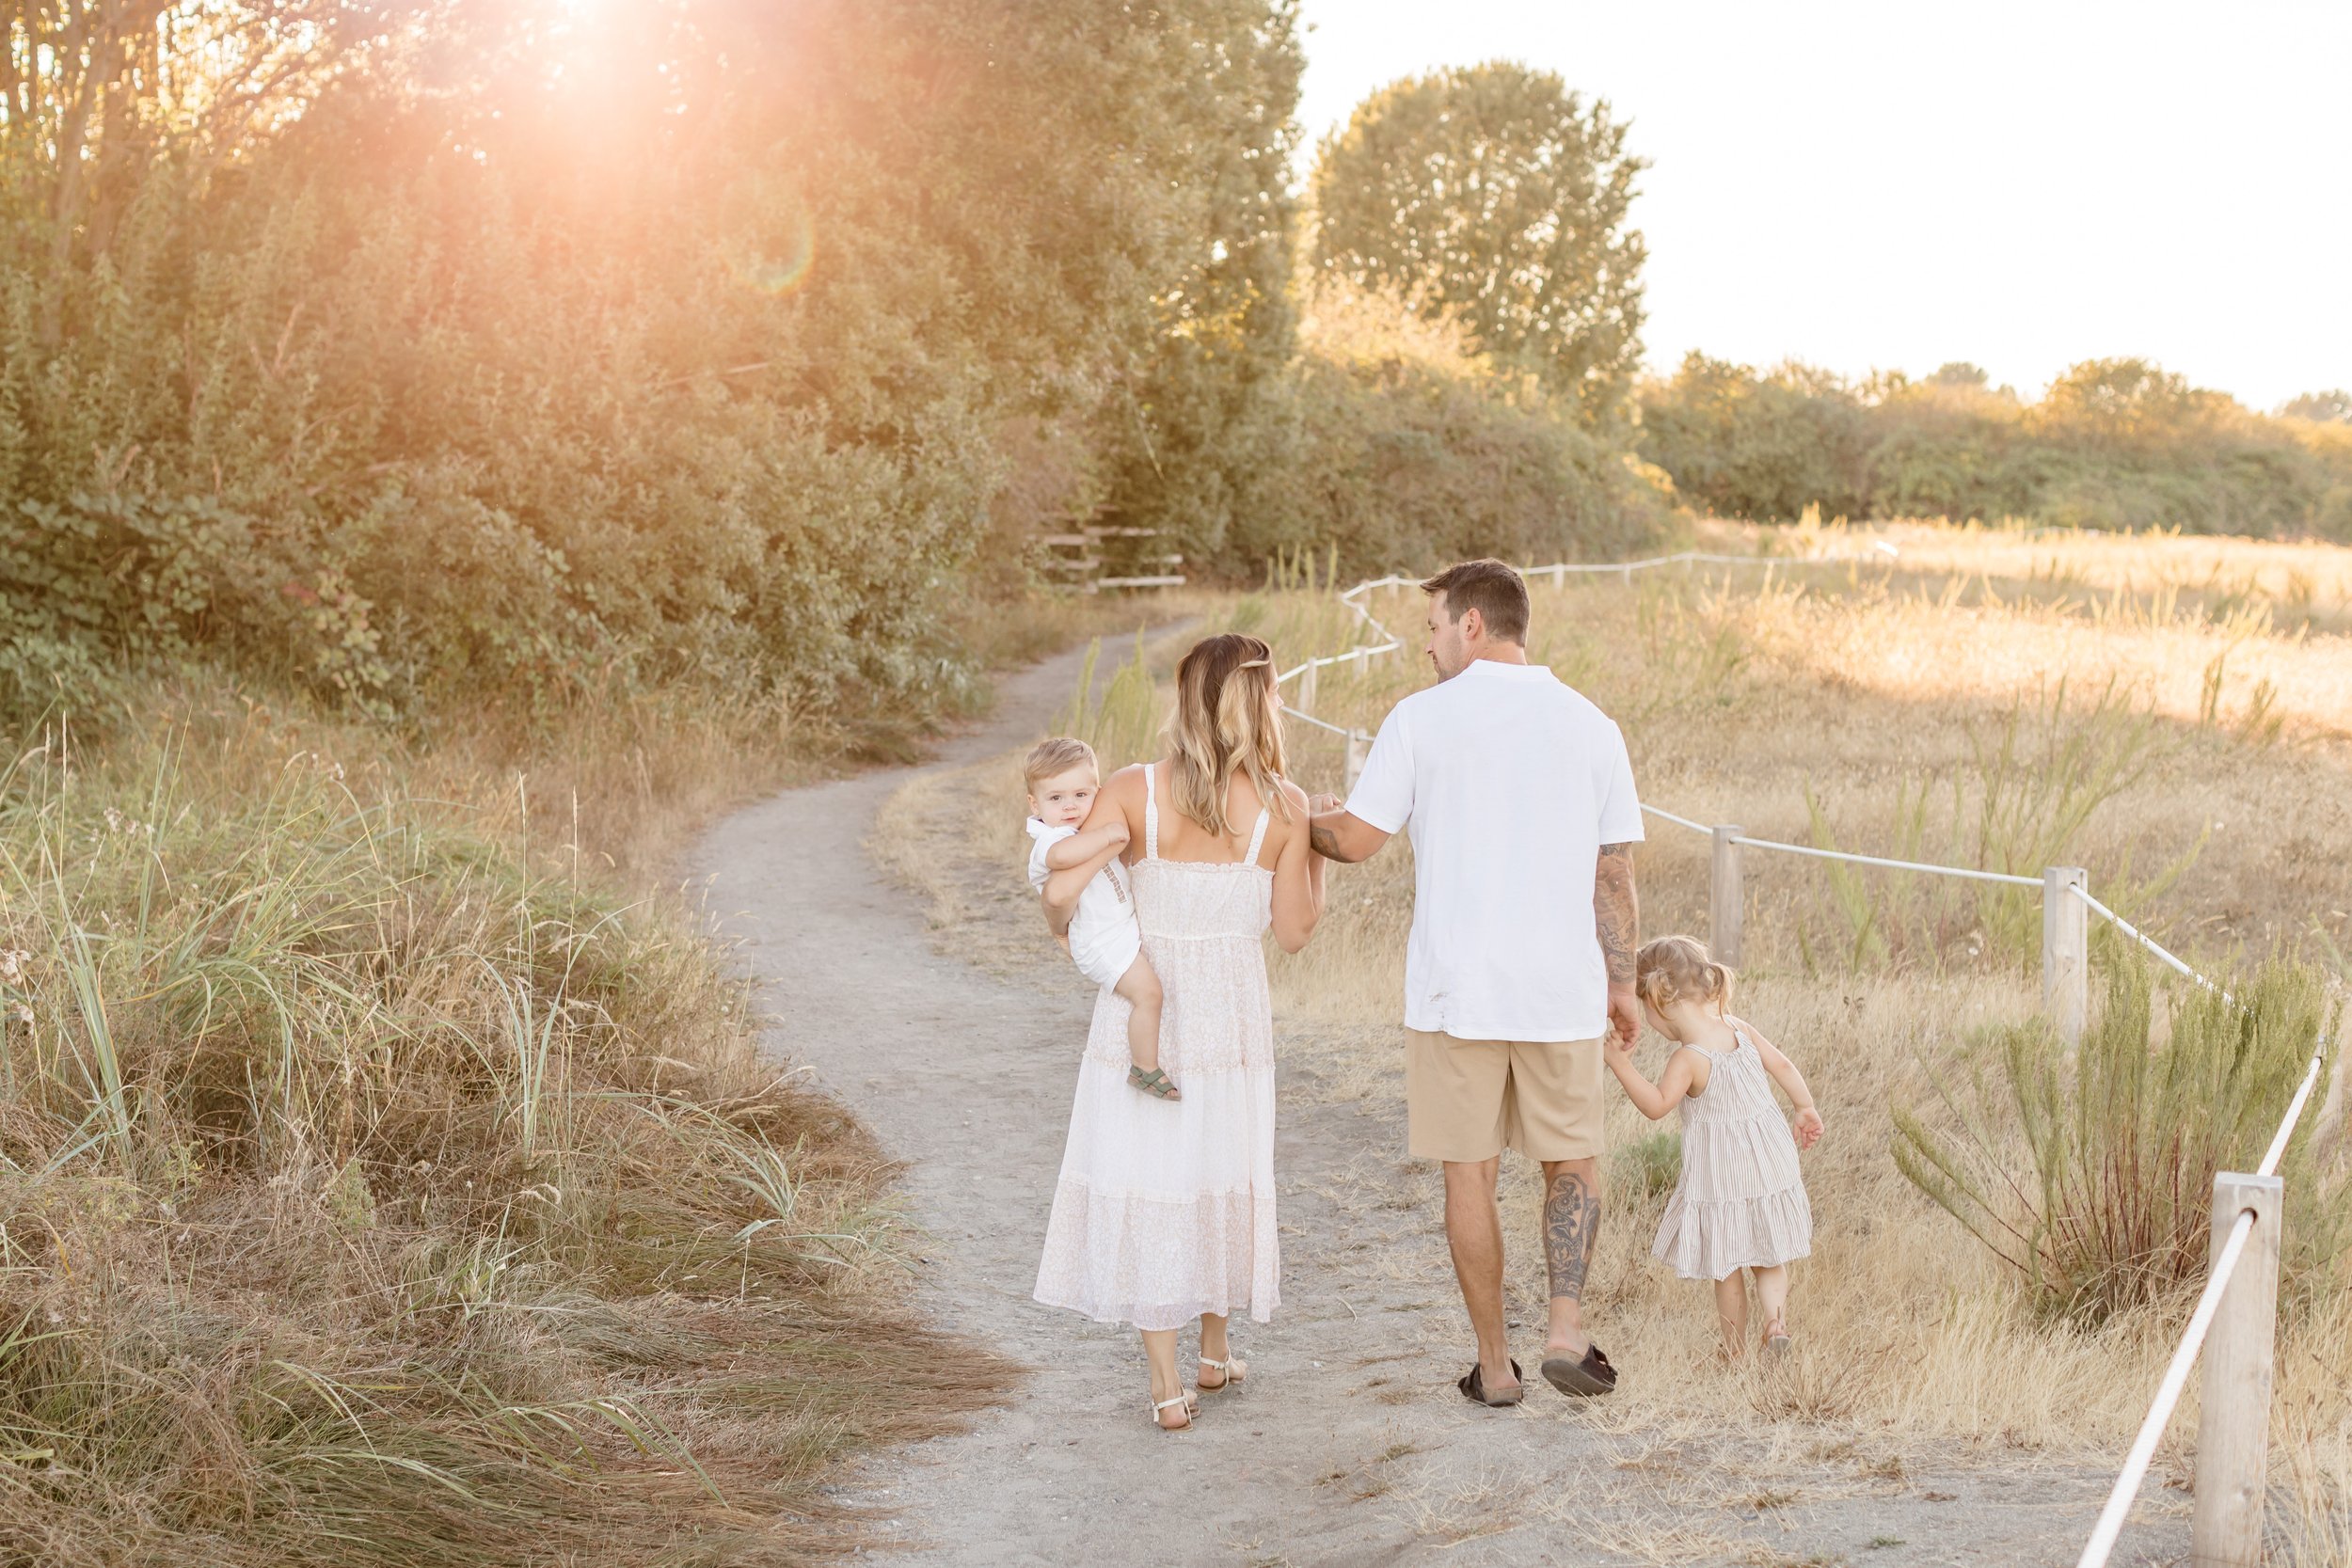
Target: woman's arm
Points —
{"points": [[1298, 879], [1792, 1082], [1652, 1100], [1120, 800]]}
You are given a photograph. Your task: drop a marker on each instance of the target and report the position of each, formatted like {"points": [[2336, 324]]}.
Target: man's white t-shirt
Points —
{"points": [[1510, 782]]}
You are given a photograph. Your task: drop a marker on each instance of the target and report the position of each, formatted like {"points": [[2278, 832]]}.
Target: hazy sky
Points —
{"points": [[1895, 185]]}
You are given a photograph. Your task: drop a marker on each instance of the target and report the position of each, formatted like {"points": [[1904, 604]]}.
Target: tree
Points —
{"points": [[2320, 407], [1763, 446], [1210, 421], [1494, 195], [2127, 402]]}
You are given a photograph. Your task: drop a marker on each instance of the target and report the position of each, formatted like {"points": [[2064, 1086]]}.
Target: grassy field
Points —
{"points": [[390, 1170], [2171, 714]]}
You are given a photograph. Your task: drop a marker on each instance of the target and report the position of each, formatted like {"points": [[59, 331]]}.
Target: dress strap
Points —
{"points": [[1257, 839], [1151, 811]]}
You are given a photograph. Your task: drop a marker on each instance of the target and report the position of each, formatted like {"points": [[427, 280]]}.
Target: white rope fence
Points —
{"points": [[2232, 1444], [2227, 1527]]}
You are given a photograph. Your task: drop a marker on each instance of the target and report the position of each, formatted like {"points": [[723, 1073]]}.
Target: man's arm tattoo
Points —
{"points": [[1618, 912], [1571, 1223]]}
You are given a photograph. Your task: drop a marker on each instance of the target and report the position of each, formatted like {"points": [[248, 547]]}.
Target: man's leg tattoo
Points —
{"points": [[1571, 1223]]}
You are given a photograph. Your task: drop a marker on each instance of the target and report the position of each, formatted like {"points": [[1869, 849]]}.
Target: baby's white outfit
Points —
{"points": [[1105, 936]]}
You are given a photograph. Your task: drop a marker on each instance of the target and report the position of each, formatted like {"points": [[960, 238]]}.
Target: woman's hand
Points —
{"points": [[1808, 1128]]}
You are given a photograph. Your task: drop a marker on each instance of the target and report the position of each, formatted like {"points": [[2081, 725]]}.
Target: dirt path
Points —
{"points": [[1350, 1448]]}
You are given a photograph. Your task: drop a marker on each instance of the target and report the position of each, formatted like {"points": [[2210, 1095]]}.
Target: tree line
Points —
{"points": [[2112, 443], [418, 349]]}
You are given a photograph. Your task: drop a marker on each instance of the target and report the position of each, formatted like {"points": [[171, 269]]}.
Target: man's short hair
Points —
{"points": [[1052, 758], [1489, 587]]}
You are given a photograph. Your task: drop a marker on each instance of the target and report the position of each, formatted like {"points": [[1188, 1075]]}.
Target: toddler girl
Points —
{"points": [[1104, 940], [1741, 1202]]}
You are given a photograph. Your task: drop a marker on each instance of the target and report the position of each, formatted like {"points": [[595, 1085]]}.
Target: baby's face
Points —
{"points": [[1064, 799]]}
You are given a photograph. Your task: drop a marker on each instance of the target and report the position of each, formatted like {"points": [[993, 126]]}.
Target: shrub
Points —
{"points": [[376, 1194], [2115, 444], [1647, 1167], [2119, 1143], [1413, 451]]}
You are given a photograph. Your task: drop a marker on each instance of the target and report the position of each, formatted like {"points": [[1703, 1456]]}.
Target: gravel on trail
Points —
{"points": [[1349, 1445]]}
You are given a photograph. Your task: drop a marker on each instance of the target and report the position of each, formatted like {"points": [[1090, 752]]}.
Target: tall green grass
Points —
{"points": [[1123, 720], [2091, 1175], [376, 1187], [2033, 780]]}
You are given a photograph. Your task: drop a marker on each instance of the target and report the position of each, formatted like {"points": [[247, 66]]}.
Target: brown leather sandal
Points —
{"points": [[1473, 1388]]}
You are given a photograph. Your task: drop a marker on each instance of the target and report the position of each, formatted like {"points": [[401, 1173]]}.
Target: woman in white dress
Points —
{"points": [[1164, 1209]]}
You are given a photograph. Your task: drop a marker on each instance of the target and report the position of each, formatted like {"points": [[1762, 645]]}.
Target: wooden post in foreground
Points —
{"points": [[1358, 748], [1725, 903], [2065, 951], [2234, 1426]]}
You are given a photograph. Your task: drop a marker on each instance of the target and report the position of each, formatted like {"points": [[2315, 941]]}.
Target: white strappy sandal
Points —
{"points": [[1236, 1371], [1183, 1399]]}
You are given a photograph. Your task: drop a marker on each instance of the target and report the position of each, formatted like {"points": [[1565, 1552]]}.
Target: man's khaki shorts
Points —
{"points": [[1471, 1099]]}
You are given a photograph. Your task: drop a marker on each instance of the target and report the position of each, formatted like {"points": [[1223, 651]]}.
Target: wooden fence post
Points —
{"points": [[1307, 687], [1359, 747], [2065, 951], [1725, 904], [2234, 1426]]}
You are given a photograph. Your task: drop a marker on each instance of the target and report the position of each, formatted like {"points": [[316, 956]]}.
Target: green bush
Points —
{"points": [[1647, 1167], [2113, 444], [2092, 1175], [675, 342]]}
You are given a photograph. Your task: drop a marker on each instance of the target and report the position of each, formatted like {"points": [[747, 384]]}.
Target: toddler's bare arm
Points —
{"points": [[1792, 1084], [1064, 883], [1091, 844]]}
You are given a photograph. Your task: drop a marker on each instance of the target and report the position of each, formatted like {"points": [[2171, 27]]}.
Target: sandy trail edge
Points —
{"points": [[1349, 1447]]}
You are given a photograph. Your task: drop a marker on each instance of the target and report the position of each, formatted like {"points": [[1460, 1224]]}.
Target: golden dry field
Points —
{"points": [[2175, 715]]}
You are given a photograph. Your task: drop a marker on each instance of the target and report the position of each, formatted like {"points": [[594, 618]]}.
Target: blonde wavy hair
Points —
{"points": [[1225, 724], [1672, 968]]}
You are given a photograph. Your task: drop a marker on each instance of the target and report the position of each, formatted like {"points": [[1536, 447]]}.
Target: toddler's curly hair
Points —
{"points": [[1675, 969]]}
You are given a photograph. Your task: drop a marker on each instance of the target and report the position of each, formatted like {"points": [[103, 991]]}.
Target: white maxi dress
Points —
{"points": [[1164, 1209], [1740, 1203]]}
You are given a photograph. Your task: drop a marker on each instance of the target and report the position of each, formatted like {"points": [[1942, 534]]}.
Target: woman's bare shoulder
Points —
{"points": [[1127, 781]]}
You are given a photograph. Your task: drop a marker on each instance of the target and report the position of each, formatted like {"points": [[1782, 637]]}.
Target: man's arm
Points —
{"points": [[1618, 918], [1338, 834]]}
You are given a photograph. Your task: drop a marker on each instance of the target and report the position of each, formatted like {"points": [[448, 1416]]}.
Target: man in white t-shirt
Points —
{"points": [[1518, 794]]}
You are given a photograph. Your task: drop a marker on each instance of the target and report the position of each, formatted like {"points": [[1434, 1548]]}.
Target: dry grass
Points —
{"points": [[2208, 668], [389, 1172]]}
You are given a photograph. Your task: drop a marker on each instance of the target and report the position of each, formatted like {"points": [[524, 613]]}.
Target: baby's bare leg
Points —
{"points": [[1139, 988]]}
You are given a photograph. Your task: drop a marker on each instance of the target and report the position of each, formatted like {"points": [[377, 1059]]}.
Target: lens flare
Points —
{"points": [[779, 273]]}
